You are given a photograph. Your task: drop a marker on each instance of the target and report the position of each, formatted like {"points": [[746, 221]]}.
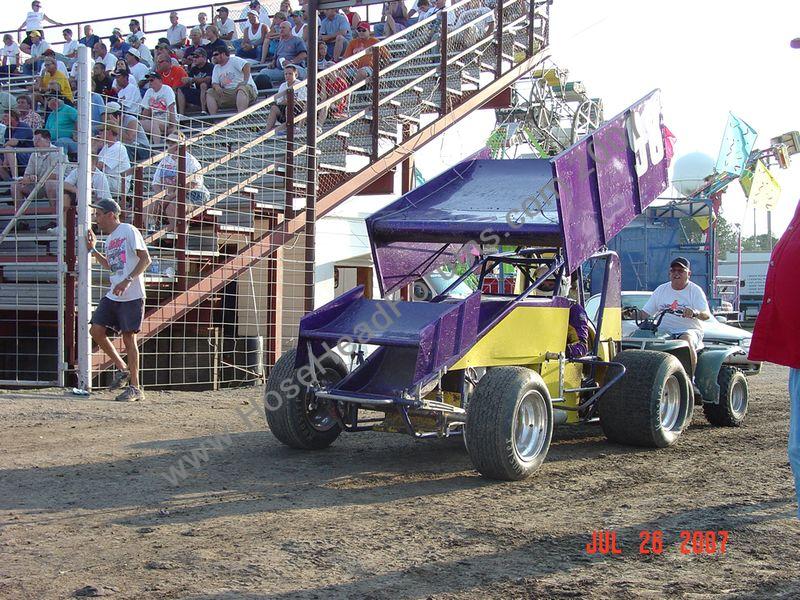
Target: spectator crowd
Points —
{"points": [[140, 89]]}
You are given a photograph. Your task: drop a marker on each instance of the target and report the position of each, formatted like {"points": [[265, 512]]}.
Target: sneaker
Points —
{"points": [[120, 380], [130, 394]]}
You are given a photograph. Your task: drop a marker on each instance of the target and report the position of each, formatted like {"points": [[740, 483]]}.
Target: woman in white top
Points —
{"points": [[33, 22], [253, 36]]}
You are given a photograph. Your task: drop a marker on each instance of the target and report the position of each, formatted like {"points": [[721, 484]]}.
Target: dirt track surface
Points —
{"points": [[84, 501]]}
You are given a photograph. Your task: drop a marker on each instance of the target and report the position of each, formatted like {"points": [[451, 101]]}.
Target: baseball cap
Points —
{"points": [[35, 33], [155, 75], [363, 26], [106, 205], [134, 52], [112, 108], [680, 261], [200, 52]]}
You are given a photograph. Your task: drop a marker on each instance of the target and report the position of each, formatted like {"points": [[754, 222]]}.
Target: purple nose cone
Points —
{"points": [[795, 43]]}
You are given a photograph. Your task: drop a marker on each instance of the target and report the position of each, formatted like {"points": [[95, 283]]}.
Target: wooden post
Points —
{"points": [[407, 170], [311, 157], [376, 98], [499, 33], [138, 198], [181, 225], [69, 292], [288, 177], [443, 62], [531, 37], [274, 298]]}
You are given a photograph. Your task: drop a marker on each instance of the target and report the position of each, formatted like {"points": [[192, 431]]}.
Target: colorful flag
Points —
{"points": [[669, 143], [702, 222], [737, 142], [765, 191]]}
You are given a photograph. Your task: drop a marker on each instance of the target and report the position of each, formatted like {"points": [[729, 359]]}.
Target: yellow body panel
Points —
{"points": [[521, 338], [612, 332], [527, 334]]}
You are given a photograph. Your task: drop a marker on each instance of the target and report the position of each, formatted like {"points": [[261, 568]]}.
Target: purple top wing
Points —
{"points": [[578, 200]]}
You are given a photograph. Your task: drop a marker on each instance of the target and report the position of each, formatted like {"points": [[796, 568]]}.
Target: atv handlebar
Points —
{"points": [[654, 322]]}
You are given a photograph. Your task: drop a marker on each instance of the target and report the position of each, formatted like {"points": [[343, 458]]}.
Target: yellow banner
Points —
{"points": [[702, 222], [765, 191]]}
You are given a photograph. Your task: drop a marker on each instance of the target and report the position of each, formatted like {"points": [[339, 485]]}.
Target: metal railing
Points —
{"points": [[34, 273], [365, 118]]}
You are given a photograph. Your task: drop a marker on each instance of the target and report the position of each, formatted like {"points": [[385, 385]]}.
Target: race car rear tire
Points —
{"points": [[287, 403], [651, 405], [734, 395], [509, 423]]}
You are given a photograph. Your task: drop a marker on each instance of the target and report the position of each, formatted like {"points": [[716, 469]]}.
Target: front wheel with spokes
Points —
{"points": [[295, 415]]}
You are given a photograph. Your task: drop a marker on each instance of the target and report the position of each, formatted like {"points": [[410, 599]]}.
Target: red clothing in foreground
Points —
{"points": [[776, 337]]}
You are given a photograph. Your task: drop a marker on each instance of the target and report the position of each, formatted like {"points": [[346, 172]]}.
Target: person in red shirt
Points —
{"points": [[777, 329], [363, 67], [171, 74]]}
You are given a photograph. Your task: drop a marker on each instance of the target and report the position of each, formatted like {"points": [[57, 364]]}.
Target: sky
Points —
{"points": [[708, 57]]}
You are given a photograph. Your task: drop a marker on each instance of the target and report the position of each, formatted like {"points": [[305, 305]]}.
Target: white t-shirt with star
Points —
{"points": [[664, 296]]}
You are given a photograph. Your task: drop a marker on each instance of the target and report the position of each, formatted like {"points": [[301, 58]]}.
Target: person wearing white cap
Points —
{"points": [[145, 56], [131, 132], [136, 66], [114, 161]]}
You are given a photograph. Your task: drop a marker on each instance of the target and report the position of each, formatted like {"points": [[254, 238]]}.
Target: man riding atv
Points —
{"points": [[686, 304]]}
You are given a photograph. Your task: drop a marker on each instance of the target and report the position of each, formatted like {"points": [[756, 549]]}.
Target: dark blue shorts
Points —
{"points": [[119, 317], [192, 95]]}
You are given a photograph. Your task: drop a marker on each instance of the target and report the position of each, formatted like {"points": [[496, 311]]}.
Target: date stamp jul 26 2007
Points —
{"points": [[606, 542]]}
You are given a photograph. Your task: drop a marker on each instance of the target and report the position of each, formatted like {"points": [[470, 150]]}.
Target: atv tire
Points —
{"points": [[733, 399], [509, 423], [651, 405], [288, 402]]}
